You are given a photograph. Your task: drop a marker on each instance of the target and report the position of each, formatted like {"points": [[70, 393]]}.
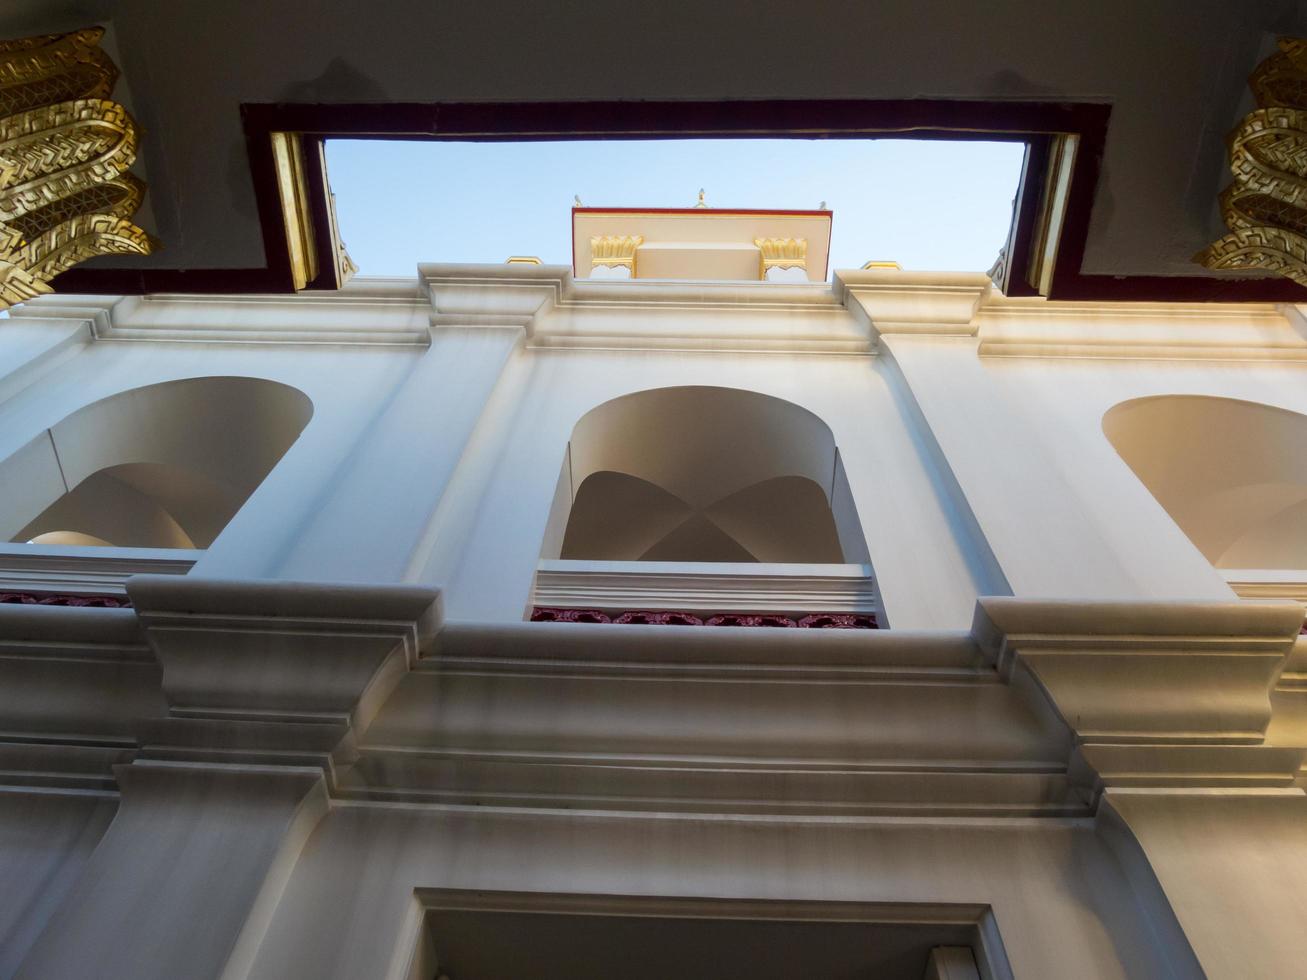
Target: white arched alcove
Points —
{"points": [[703, 474], [162, 466], [1232, 474]]}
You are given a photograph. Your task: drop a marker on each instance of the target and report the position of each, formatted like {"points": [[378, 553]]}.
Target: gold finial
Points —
{"points": [[702, 203]]}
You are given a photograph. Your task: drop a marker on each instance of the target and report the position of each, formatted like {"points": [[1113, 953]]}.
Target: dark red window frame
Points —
{"points": [[1032, 123]]}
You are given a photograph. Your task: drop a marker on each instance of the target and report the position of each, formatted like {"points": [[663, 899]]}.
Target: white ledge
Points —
{"points": [[1267, 583], [85, 570], [743, 587]]}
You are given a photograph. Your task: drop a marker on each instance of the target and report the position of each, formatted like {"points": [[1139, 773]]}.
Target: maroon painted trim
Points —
{"points": [[953, 119]]}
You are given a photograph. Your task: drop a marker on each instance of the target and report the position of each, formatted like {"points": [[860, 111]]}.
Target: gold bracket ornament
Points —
{"points": [[65, 193], [614, 251], [781, 253], [1266, 206]]}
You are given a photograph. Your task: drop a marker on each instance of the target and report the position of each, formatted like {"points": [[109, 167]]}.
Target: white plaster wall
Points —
{"points": [[1062, 903], [31, 349], [972, 474], [45, 840], [1232, 866], [1064, 400], [373, 522], [346, 386], [489, 541]]}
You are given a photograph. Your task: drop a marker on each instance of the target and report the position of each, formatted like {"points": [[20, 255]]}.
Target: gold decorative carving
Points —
{"points": [[65, 193], [296, 216], [781, 253], [1266, 206], [614, 251], [1063, 149], [523, 260], [345, 267]]}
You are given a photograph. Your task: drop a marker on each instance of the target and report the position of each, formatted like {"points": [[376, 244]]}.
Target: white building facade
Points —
{"points": [[311, 730]]}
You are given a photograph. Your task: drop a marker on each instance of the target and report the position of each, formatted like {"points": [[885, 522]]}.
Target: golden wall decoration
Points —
{"points": [[1266, 206], [65, 193], [614, 251], [782, 253]]}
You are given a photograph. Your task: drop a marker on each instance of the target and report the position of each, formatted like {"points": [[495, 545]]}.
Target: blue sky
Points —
{"points": [[927, 204]]}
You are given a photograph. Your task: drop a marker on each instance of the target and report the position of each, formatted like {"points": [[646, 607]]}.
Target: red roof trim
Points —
{"points": [[805, 214]]}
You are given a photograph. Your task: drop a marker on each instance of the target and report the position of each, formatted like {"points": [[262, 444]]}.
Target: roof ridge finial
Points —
{"points": [[702, 203]]}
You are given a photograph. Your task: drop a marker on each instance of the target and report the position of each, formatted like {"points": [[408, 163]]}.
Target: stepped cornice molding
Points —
{"points": [[1035, 327], [894, 301], [221, 641], [553, 309], [367, 313], [556, 310], [1044, 706], [74, 684], [260, 673], [1157, 694]]}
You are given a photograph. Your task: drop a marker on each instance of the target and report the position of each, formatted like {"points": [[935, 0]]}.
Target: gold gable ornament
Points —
{"points": [[614, 251], [65, 193], [1266, 206], [781, 253]]}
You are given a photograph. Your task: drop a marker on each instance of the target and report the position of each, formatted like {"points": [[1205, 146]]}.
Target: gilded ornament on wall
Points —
{"points": [[65, 193], [614, 251], [781, 253], [1266, 206]]}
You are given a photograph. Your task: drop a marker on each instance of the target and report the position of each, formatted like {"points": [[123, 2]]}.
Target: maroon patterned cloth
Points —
{"points": [[65, 599], [744, 619], [670, 617], [838, 621], [657, 618], [540, 614]]}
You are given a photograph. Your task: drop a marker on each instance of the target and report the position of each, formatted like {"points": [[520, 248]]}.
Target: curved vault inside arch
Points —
{"points": [[704, 474], [1232, 474], [162, 466]]}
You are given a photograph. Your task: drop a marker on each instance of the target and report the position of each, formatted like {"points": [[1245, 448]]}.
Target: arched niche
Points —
{"points": [[1232, 474], [704, 474], [164, 466]]}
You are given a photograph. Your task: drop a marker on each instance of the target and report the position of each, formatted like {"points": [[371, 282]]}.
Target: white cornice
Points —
{"points": [[374, 313], [555, 310], [1035, 327], [895, 301]]}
